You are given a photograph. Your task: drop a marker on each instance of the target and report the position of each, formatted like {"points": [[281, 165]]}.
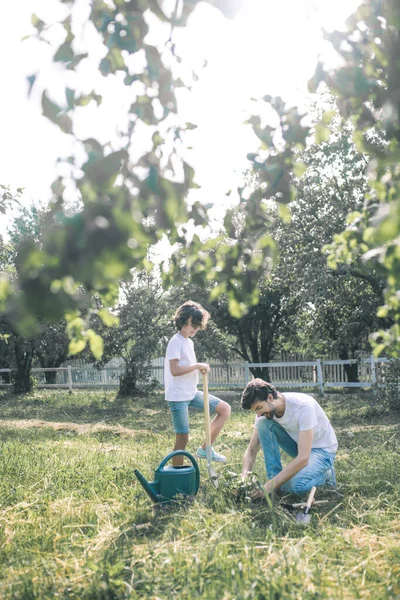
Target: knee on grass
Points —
{"points": [[297, 486]]}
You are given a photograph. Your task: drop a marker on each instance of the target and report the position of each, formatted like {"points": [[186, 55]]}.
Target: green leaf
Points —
{"points": [[299, 169], [327, 116], [64, 53], [56, 114], [76, 346], [108, 318], [237, 309], [37, 23], [96, 344], [31, 82], [284, 213], [102, 170], [322, 133]]}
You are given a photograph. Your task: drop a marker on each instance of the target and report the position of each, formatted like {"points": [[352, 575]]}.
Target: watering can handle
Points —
{"points": [[189, 456]]}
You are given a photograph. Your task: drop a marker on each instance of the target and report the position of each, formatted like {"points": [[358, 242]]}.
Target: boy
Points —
{"points": [[181, 373], [296, 423]]}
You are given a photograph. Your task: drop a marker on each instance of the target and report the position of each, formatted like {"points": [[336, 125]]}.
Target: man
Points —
{"points": [[296, 423]]}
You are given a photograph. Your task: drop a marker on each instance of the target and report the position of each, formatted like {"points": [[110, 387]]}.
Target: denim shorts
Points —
{"points": [[180, 410]]}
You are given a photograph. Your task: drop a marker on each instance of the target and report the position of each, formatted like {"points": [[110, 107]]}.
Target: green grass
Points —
{"points": [[76, 524]]}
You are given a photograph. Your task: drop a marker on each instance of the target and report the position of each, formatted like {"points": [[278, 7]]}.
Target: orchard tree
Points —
{"points": [[141, 333], [51, 347], [51, 344], [341, 304], [257, 332]]}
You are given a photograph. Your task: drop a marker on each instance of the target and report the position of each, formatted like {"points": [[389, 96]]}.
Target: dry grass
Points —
{"points": [[76, 524]]}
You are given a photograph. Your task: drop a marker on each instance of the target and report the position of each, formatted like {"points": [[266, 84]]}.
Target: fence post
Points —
{"points": [[69, 379], [373, 371], [320, 376], [246, 373]]}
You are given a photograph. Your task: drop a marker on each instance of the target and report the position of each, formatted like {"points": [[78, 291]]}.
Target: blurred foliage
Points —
{"points": [[128, 205], [389, 376], [366, 86]]}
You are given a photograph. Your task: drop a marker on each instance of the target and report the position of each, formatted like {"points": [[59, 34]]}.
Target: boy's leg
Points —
{"points": [[314, 473], [272, 437], [180, 420], [222, 410]]}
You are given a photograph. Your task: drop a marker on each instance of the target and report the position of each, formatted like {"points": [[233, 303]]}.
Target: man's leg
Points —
{"points": [[273, 437], [313, 474]]}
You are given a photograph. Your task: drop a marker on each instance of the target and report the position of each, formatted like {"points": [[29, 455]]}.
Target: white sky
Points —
{"points": [[270, 48]]}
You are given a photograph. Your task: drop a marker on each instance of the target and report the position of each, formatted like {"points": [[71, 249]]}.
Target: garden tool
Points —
{"points": [[304, 517], [213, 475], [291, 507], [170, 481]]}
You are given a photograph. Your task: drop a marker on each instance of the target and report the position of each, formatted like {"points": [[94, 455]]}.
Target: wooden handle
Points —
{"points": [[310, 498], [206, 409]]}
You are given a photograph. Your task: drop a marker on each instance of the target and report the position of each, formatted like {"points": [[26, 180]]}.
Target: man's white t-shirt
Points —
{"points": [[302, 412], [184, 387]]}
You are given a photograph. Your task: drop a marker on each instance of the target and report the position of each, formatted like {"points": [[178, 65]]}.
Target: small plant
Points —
{"points": [[240, 490]]}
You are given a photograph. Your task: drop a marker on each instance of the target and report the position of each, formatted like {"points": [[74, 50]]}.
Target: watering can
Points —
{"points": [[170, 481]]}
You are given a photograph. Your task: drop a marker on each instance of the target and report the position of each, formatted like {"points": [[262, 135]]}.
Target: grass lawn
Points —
{"points": [[76, 524]]}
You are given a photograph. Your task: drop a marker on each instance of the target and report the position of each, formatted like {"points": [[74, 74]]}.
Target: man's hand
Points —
{"points": [[263, 491]]}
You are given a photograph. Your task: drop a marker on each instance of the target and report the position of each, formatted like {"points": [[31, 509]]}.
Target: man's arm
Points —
{"points": [[299, 462], [178, 370], [249, 457]]}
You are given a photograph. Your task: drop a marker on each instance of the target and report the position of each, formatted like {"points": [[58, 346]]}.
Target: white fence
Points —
{"points": [[319, 374]]}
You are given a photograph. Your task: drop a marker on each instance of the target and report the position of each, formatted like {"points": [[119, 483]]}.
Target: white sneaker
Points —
{"points": [[201, 453]]}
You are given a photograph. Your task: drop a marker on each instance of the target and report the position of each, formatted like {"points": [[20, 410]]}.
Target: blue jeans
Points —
{"points": [[272, 437]]}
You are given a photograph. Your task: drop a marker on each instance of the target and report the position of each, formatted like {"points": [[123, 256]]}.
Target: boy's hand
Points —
{"points": [[203, 367]]}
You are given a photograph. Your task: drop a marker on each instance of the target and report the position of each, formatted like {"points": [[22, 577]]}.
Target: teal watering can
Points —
{"points": [[170, 481]]}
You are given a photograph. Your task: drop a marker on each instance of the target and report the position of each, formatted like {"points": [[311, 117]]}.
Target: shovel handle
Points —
{"points": [[206, 409], [310, 499]]}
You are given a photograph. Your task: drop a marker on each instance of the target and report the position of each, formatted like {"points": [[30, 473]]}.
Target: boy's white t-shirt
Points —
{"points": [[302, 412], [184, 387]]}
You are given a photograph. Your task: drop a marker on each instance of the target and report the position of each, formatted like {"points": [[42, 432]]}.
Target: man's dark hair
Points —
{"points": [[257, 389], [192, 310]]}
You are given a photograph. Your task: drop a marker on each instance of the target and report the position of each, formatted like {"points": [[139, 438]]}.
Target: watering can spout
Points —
{"points": [[147, 486]]}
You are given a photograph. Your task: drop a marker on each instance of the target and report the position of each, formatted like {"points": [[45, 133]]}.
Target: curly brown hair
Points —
{"points": [[192, 310], [257, 389]]}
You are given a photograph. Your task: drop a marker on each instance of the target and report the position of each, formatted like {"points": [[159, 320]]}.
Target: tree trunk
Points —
{"points": [[262, 372], [6, 377], [128, 382], [50, 376], [351, 371], [23, 381]]}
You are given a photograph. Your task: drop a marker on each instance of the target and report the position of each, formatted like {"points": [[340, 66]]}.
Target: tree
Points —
{"points": [[340, 304], [257, 332], [141, 333], [51, 346]]}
